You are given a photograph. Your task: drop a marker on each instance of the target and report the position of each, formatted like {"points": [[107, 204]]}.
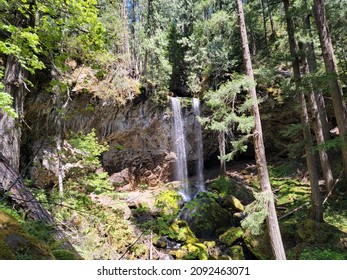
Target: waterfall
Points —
{"points": [[199, 146], [180, 148]]}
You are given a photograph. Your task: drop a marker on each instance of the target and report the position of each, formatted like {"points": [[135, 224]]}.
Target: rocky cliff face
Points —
{"points": [[139, 136]]}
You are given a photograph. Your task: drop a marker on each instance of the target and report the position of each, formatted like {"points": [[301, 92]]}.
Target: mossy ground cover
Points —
{"points": [[17, 241]]}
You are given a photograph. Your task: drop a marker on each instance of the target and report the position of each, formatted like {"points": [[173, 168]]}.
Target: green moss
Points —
{"points": [[16, 244], [196, 251], [178, 254], [258, 245], [313, 232], [168, 202], [305, 251], [63, 255], [236, 252], [140, 251], [180, 231], [223, 185], [229, 237], [206, 216], [231, 203], [210, 244]]}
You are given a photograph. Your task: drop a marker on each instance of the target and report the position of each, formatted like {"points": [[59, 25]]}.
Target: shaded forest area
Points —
{"points": [[98, 98]]}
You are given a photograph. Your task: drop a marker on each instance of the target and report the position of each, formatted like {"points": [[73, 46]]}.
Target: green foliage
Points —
{"points": [[229, 107], [316, 253], [229, 237], [330, 145], [168, 202], [97, 183], [256, 212], [90, 149], [223, 185], [6, 103]]}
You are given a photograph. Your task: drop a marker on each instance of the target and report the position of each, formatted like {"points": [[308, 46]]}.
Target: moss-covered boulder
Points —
{"points": [[191, 251], [236, 252], [225, 186], [206, 216], [233, 204], [196, 251], [258, 245], [229, 237], [311, 231], [181, 232], [178, 254], [16, 244]]}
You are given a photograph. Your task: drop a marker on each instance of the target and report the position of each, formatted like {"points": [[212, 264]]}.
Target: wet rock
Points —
{"points": [[138, 134]]}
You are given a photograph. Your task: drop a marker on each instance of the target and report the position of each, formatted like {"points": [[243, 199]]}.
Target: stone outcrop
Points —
{"points": [[139, 136]]}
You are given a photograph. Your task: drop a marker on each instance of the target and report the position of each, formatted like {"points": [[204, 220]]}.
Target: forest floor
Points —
{"points": [[141, 224]]}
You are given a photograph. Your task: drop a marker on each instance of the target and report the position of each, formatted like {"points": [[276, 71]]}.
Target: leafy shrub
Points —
{"points": [[90, 149]]}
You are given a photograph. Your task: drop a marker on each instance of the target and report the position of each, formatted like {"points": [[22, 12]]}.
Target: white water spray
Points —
{"points": [[180, 148]]}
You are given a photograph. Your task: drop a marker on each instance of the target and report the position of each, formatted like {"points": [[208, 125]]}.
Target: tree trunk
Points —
{"points": [[331, 69], [264, 22], [13, 187], [273, 29], [316, 210], [10, 129], [318, 111], [58, 141], [221, 141], [273, 227], [126, 35]]}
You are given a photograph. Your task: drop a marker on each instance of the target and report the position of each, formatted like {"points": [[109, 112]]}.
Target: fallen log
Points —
{"points": [[293, 211], [13, 187]]}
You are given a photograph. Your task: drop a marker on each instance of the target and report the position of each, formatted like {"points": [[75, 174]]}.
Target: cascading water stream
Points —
{"points": [[199, 148], [180, 148]]}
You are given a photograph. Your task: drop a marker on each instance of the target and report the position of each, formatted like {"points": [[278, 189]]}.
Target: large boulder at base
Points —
{"points": [[205, 216]]}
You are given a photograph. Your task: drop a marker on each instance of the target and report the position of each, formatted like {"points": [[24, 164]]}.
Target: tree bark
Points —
{"points": [[126, 35], [264, 23], [13, 187], [273, 226], [331, 69], [313, 68], [318, 111], [221, 141], [316, 209], [10, 129], [273, 29]]}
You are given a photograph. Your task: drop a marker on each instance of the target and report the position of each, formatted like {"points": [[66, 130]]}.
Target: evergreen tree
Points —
{"points": [[273, 226]]}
